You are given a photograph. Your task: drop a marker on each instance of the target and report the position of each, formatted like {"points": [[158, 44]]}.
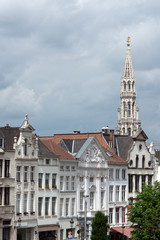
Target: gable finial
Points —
{"points": [[26, 119], [128, 41]]}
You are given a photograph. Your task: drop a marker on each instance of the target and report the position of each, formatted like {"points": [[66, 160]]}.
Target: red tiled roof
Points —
{"points": [[56, 149], [127, 230], [113, 159]]}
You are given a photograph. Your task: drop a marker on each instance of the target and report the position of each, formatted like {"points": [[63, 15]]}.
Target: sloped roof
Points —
{"points": [[44, 151], [8, 133], [123, 144], [84, 146], [72, 145], [140, 135], [56, 149], [114, 159]]}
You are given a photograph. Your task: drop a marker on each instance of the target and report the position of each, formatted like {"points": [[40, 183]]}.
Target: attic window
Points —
{"points": [[140, 147], [1, 142], [109, 154]]}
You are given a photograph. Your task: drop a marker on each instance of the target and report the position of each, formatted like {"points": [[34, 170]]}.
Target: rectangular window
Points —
{"points": [[67, 168], [102, 179], [91, 179], [32, 203], [54, 176], [117, 215], [7, 164], [53, 205], [130, 183], [111, 193], [40, 199], [18, 173], [81, 179], [6, 196], [137, 182], [0, 196], [32, 174], [72, 183], [67, 182], [123, 215], [73, 207], [123, 174], [47, 206], [123, 193], [92, 200], [18, 199], [47, 181], [81, 201], [73, 169], [40, 178], [25, 174], [117, 174], [61, 182], [137, 160], [25, 203], [61, 168], [143, 180], [102, 200], [110, 215], [117, 193], [61, 206], [67, 207], [150, 179], [61, 234], [143, 161], [47, 161], [111, 174], [1, 165]]}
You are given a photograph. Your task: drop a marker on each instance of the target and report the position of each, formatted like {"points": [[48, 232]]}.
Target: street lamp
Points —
{"points": [[71, 222], [85, 216], [123, 231]]}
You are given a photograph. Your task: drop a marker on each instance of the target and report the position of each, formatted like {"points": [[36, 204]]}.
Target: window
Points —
{"points": [[130, 183], [150, 179], [25, 147], [110, 215], [136, 182], [47, 181], [61, 234], [102, 179], [123, 215], [117, 215], [54, 176], [140, 147], [25, 174], [32, 203], [117, 174], [91, 179], [123, 192], [1, 165], [25, 203], [67, 207], [61, 168], [111, 193], [73, 169], [143, 180], [81, 179], [61, 182], [40, 200], [73, 207], [47, 161], [0, 196], [61, 206], [32, 174], [18, 198], [129, 109], [67, 168], [72, 183], [53, 205], [18, 174], [143, 161], [117, 193], [81, 200], [111, 174], [67, 182], [1, 142], [47, 206], [7, 164], [137, 159], [123, 174], [40, 178], [102, 200], [91, 200], [6, 196]]}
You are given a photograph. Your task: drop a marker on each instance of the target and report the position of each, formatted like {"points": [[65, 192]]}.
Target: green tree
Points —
{"points": [[99, 227], [145, 213]]}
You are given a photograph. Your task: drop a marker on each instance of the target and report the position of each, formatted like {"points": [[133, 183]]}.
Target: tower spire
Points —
{"points": [[128, 122]]}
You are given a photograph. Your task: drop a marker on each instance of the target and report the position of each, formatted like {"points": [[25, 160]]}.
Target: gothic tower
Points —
{"points": [[128, 122]]}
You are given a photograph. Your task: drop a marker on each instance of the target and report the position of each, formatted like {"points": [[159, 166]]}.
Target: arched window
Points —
{"points": [[124, 85], [129, 109], [133, 106], [133, 86], [129, 86], [124, 106]]}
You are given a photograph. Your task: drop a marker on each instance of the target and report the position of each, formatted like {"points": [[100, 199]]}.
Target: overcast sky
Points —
{"points": [[61, 62]]}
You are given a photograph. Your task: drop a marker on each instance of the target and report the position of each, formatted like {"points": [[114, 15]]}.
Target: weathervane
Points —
{"points": [[128, 41]]}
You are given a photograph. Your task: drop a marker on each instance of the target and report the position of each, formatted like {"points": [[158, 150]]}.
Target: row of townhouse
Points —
{"points": [[52, 191]]}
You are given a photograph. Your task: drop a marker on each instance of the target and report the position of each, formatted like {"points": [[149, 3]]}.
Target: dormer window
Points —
{"points": [[2, 142]]}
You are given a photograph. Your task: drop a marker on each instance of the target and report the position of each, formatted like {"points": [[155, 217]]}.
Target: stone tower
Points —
{"points": [[128, 122]]}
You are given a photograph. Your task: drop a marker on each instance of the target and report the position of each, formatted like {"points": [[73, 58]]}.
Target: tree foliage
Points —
{"points": [[99, 227], [145, 213]]}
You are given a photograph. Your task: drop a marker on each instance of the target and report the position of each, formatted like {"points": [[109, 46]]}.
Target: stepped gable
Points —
{"points": [[113, 158], [8, 133], [56, 149]]}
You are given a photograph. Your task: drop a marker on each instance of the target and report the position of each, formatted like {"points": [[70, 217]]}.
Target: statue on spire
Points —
{"points": [[128, 41]]}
